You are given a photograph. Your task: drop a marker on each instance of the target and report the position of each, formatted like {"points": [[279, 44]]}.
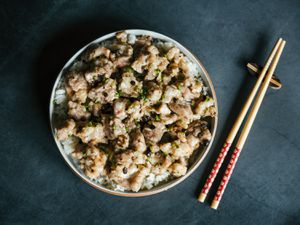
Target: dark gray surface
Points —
{"points": [[36, 186]]}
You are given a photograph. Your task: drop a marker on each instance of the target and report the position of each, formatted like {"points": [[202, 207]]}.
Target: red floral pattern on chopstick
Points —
{"points": [[216, 168], [227, 175]]}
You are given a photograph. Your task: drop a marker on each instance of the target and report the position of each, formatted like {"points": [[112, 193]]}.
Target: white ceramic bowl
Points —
{"points": [[200, 155]]}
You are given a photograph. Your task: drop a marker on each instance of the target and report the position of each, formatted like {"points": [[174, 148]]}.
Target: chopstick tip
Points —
{"points": [[202, 197], [214, 204]]}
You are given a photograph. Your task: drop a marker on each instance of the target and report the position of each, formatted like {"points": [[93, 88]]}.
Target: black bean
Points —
{"points": [[125, 170]]}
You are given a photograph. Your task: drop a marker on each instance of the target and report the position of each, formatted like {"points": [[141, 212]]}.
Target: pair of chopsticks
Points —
{"points": [[272, 63]]}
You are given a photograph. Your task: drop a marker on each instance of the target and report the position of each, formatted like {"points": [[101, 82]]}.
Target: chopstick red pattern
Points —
{"points": [[216, 168], [228, 172]]}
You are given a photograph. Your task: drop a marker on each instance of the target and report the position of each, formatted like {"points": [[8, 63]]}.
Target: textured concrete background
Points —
{"points": [[37, 38]]}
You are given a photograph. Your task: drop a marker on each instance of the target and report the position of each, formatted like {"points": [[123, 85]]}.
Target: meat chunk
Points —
{"points": [[180, 149], [201, 106], [153, 50], [142, 41], [78, 111], [79, 96], [205, 136], [154, 66], [135, 110], [94, 162], [177, 169], [129, 86], [170, 93], [139, 63], [137, 180], [182, 109], [121, 36], [95, 108], [113, 128], [161, 168], [93, 134], [104, 93], [103, 67], [154, 134], [122, 141], [199, 130], [163, 109], [122, 61], [76, 81], [168, 119], [138, 141], [66, 130], [120, 107], [95, 51], [127, 165], [172, 53], [154, 92], [193, 141]]}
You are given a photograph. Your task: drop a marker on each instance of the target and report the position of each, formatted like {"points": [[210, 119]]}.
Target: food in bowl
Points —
{"points": [[131, 111]]}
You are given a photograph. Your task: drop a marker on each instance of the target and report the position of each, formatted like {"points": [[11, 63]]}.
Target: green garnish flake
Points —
{"points": [[175, 145], [164, 153], [55, 102], [207, 99], [179, 87], [143, 94], [127, 129], [163, 97], [118, 94], [157, 72], [157, 117], [128, 69], [115, 127], [137, 123], [86, 105]]}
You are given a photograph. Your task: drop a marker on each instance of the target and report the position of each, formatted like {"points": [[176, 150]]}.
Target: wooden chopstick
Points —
{"points": [[236, 127], [246, 129]]}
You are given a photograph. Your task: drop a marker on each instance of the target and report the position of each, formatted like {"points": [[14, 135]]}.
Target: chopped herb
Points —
{"points": [[55, 102], [157, 117], [157, 72], [179, 87], [164, 153], [148, 159], [118, 94], [86, 105], [143, 94], [207, 99], [151, 148], [137, 123], [84, 153], [127, 129], [128, 69], [175, 145], [163, 97], [115, 127]]}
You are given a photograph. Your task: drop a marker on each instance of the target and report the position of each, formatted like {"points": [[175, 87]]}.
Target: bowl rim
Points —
{"points": [[169, 184]]}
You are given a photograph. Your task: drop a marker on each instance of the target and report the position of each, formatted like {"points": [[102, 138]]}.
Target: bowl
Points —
{"points": [[197, 159]]}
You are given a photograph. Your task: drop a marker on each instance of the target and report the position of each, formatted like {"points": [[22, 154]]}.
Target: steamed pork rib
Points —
{"points": [[135, 107]]}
